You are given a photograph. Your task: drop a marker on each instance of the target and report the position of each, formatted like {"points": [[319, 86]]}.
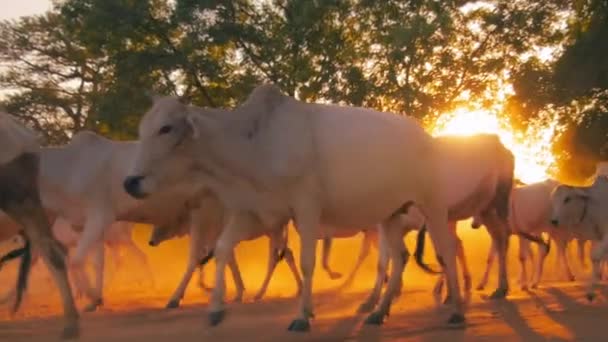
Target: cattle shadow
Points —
{"points": [[507, 310], [569, 306]]}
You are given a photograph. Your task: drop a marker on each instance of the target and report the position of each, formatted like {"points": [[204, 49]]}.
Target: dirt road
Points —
{"points": [[133, 309]]}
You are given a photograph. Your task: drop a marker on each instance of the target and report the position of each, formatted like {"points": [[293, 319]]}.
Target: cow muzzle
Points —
{"points": [[132, 185], [153, 243], [555, 222]]}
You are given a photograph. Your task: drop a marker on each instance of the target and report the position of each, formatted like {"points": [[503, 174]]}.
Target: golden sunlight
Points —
{"points": [[532, 149]]}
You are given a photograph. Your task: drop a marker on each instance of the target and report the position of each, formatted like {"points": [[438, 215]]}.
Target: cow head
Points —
{"points": [[568, 205], [162, 158], [170, 230]]}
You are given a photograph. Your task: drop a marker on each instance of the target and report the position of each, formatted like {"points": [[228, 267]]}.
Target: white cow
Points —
{"points": [[530, 215], [82, 182], [275, 158], [205, 222], [477, 177], [19, 198], [116, 238], [582, 210]]}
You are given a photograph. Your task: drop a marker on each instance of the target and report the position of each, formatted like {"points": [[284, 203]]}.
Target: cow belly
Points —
{"points": [[364, 178]]}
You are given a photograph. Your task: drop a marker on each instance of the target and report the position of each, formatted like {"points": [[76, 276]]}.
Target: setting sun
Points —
{"points": [[532, 149]]}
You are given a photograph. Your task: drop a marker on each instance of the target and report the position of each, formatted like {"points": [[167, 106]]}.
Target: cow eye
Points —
{"points": [[566, 200], [165, 129]]}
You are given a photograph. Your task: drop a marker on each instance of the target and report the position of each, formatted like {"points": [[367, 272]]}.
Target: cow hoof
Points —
{"points": [[238, 298], [447, 300], [534, 286], [590, 297], [366, 307], [498, 294], [173, 304], [299, 325], [375, 318], [523, 287], [480, 287], [216, 317], [456, 321], [258, 297], [572, 278], [93, 305], [72, 331]]}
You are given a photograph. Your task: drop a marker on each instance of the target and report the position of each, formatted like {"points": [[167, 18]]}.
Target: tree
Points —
{"points": [[53, 79]]}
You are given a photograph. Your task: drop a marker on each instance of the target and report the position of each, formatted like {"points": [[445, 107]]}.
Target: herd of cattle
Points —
{"points": [[225, 176]]}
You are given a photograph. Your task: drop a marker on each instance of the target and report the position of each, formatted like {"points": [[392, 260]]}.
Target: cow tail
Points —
{"points": [[24, 272], [15, 253], [419, 252], [503, 190]]}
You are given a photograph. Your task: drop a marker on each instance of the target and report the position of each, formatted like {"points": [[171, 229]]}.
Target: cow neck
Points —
{"points": [[232, 153]]}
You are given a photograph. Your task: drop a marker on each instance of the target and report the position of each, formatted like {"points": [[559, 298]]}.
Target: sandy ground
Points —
{"points": [[133, 309]]}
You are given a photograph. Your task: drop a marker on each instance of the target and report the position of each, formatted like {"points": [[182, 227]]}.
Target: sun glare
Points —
{"points": [[532, 149]]}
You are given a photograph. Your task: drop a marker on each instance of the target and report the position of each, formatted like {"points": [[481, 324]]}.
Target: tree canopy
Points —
{"points": [[87, 64]]}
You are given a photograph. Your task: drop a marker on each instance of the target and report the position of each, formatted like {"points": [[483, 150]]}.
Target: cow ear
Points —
{"points": [[193, 122], [185, 99]]}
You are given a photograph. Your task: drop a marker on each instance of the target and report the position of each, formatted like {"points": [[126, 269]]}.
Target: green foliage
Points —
{"points": [[87, 63]]}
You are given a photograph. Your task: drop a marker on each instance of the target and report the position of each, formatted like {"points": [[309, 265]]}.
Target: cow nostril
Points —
{"points": [[152, 243], [131, 184]]}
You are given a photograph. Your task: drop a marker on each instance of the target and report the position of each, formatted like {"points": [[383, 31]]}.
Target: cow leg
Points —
{"points": [[141, 259], [20, 199], [236, 276], [194, 255], [97, 222], [399, 257], [381, 270], [438, 291], [98, 266], [498, 231], [201, 269], [307, 223], [223, 250], [274, 255], [369, 236], [117, 257], [524, 254], [580, 244], [562, 259], [598, 252], [325, 261], [445, 241], [79, 283], [291, 262], [490, 261], [540, 262], [466, 274], [32, 217], [179, 292]]}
